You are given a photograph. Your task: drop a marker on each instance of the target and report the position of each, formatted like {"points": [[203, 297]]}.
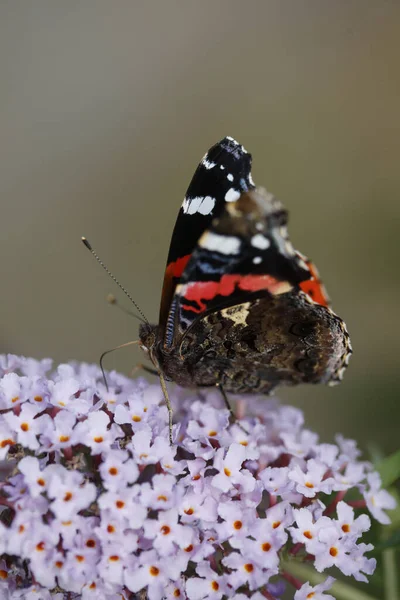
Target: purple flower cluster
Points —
{"points": [[97, 502]]}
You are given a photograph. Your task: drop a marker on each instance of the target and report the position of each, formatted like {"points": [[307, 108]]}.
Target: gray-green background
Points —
{"points": [[105, 110]]}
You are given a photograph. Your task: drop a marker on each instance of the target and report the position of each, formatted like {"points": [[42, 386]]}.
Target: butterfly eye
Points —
{"points": [[302, 329]]}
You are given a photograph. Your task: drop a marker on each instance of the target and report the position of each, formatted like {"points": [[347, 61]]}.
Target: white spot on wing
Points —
{"points": [[222, 167], [225, 244], [257, 260], [260, 241], [230, 176], [208, 164], [232, 195], [199, 204]]}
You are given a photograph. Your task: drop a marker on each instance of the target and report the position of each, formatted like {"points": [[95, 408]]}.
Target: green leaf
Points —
{"points": [[340, 590], [392, 542], [389, 469]]}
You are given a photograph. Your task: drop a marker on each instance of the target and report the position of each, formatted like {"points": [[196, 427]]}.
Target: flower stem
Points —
{"points": [[332, 506], [296, 583]]}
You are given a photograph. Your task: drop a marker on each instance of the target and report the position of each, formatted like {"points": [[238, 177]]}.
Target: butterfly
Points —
{"points": [[240, 307]]}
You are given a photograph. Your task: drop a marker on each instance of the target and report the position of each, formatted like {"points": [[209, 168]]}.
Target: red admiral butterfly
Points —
{"points": [[240, 307]]}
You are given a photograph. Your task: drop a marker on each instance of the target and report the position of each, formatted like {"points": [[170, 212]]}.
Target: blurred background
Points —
{"points": [[105, 111]]}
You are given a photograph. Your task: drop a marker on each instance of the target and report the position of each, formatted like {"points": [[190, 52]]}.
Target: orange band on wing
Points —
{"points": [[207, 290], [313, 287]]}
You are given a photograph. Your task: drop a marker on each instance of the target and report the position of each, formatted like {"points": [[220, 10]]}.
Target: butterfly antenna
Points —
{"points": [[89, 247]]}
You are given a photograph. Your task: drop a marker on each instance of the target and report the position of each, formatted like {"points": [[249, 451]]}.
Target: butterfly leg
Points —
{"points": [[168, 403], [225, 397], [229, 407]]}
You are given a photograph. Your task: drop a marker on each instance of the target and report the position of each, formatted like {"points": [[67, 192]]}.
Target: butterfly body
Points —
{"points": [[241, 307]]}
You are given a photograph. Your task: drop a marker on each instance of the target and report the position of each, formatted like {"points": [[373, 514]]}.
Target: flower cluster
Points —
{"points": [[99, 504]]}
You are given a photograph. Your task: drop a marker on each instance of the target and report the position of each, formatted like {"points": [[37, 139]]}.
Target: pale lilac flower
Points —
{"points": [[201, 505], [307, 530], [245, 571], [238, 521], [230, 474], [60, 432], [26, 425], [117, 470], [166, 533], [211, 422], [69, 493], [316, 592], [300, 444], [209, 585], [35, 478], [348, 525], [378, 500], [276, 481], [124, 505], [313, 480], [7, 439], [161, 493], [144, 451], [12, 390], [101, 506], [151, 571], [97, 432]]}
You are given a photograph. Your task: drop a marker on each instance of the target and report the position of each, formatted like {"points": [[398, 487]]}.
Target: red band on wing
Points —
{"points": [[207, 290], [175, 269]]}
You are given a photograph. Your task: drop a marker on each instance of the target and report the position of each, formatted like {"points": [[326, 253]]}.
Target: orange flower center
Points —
{"points": [[249, 567], [215, 585], [308, 535], [227, 472], [276, 524], [333, 551], [154, 571], [237, 525], [7, 442], [266, 547], [165, 530]]}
